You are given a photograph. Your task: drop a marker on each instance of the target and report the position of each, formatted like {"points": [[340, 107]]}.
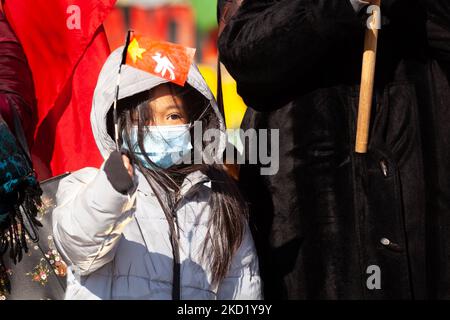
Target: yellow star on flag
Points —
{"points": [[135, 51]]}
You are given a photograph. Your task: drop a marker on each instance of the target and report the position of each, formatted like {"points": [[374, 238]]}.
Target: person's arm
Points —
{"points": [[243, 281], [17, 96], [269, 45], [438, 28], [88, 220]]}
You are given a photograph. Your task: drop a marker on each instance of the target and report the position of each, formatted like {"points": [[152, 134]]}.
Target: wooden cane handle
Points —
{"points": [[367, 82]]}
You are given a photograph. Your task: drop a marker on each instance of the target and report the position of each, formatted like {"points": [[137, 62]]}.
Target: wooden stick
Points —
{"points": [[367, 82]]}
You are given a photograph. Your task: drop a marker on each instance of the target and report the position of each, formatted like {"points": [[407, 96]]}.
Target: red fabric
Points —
{"points": [[115, 28], [163, 59], [65, 64], [155, 23], [151, 21]]}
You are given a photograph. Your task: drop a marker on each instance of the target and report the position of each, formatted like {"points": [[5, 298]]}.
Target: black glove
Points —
{"points": [[117, 174]]}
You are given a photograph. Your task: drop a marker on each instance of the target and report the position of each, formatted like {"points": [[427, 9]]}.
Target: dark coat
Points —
{"points": [[329, 213], [17, 97]]}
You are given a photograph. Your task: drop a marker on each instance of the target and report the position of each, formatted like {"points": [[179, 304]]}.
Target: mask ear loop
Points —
{"points": [[191, 125]]}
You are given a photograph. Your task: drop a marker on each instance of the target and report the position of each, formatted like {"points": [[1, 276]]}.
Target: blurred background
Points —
{"points": [[191, 23]]}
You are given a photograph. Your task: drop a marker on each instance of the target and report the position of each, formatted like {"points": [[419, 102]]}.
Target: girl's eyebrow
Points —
{"points": [[172, 107]]}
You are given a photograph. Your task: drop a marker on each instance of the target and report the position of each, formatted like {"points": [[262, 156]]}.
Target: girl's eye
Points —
{"points": [[174, 116]]}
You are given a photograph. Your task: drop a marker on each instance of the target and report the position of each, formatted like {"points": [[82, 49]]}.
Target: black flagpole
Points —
{"points": [[122, 62]]}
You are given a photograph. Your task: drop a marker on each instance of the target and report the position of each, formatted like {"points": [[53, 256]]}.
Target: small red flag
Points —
{"points": [[164, 59]]}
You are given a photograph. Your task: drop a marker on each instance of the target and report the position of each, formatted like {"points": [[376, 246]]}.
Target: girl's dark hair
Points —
{"points": [[228, 209]]}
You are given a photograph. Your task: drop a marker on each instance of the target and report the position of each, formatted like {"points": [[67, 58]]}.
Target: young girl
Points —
{"points": [[146, 225]]}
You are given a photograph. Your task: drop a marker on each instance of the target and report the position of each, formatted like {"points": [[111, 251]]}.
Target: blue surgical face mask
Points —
{"points": [[164, 145]]}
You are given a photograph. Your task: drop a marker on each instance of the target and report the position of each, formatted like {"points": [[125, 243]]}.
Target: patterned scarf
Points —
{"points": [[19, 201]]}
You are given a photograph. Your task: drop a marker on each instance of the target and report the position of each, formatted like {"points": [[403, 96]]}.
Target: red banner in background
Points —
{"points": [[174, 23], [66, 46]]}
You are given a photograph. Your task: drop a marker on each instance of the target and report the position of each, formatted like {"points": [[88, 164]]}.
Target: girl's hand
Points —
{"points": [[119, 171], [127, 164]]}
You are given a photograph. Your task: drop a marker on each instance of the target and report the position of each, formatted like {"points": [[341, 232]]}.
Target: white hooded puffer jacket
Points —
{"points": [[126, 254]]}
